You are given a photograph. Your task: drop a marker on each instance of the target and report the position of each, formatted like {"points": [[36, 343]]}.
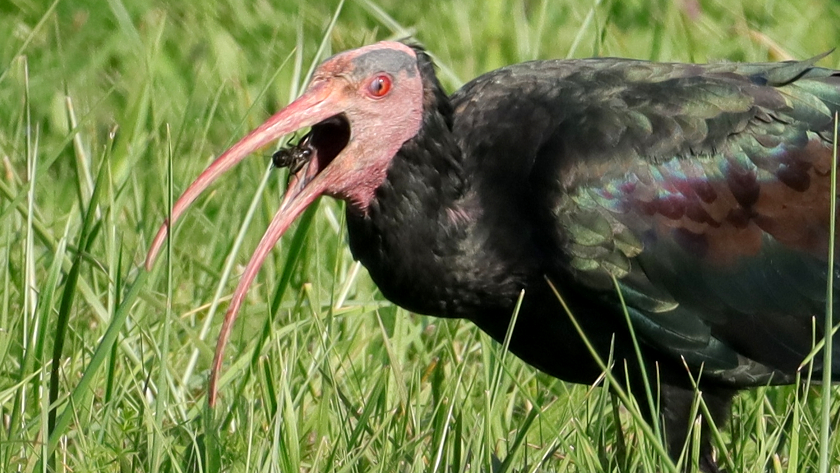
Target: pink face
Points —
{"points": [[362, 106]]}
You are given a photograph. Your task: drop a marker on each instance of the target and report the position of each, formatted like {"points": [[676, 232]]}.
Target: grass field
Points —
{"points": [[103, 366]]}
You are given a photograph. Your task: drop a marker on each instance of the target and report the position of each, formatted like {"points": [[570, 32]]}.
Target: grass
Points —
{"points": [[101, 102]]}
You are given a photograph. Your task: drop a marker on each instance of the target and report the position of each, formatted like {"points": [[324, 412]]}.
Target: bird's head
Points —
{"points": [[362, 106]]}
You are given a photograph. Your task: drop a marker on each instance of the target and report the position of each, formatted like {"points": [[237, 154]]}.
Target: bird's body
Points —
{"points": [[701, 191]]}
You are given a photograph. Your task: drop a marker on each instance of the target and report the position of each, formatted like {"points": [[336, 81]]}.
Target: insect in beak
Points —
{"points": [[293, 156]]}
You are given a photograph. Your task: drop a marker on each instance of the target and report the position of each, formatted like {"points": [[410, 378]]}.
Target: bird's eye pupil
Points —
{"points": [[380, 85]]}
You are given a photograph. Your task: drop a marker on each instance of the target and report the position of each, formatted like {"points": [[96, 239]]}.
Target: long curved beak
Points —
{"points": [[316, 105], [312, 107]]}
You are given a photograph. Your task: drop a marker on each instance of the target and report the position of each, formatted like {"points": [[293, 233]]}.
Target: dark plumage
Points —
{"points": [[702, 190]]}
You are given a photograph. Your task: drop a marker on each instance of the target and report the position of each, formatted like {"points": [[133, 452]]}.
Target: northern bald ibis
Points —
{"points": [[701, 192]]}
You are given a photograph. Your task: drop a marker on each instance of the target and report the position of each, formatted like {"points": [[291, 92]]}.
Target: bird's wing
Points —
{"points": [[704, 191]]}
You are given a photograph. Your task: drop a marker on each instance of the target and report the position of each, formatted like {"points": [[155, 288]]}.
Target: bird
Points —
{"points": [[672, 218]]}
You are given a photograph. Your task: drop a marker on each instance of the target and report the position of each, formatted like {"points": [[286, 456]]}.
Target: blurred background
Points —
{"points": [[99, 100]]}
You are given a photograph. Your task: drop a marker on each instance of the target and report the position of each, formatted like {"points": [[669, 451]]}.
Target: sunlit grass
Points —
{"points": [[100, 100]]}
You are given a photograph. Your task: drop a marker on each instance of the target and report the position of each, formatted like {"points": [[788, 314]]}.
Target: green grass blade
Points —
{"points": [[619, 390], [68, 296], [99, 357], [825, 406]]}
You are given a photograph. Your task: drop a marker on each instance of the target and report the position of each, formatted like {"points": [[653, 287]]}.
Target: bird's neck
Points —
{"points": [[422, 238]]}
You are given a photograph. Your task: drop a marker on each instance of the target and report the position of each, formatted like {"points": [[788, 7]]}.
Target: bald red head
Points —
{"points": [[362, 106]]}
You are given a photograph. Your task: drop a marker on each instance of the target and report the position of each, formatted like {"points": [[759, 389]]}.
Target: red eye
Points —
{"points": [[379, 86]]}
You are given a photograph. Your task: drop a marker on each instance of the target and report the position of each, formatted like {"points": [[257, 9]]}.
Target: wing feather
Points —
{"points": [[704, 191]]}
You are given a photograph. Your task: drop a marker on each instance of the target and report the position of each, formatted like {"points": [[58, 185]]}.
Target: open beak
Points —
{"points": [[319, 108]]}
